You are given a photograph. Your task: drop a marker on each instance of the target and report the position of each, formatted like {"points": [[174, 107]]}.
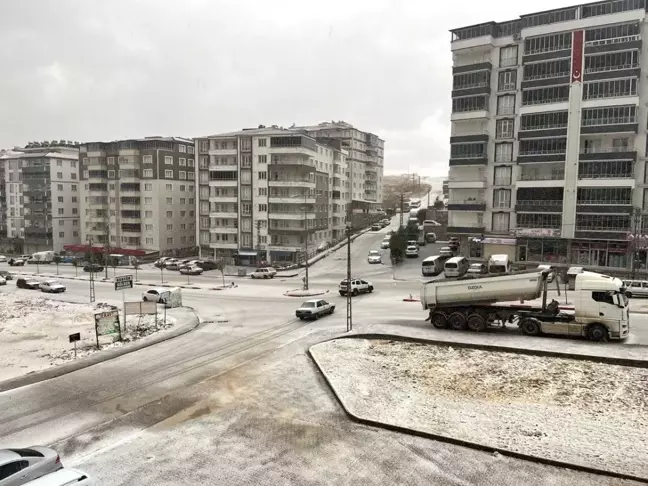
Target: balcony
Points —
{"points": [[541, 175], [468, 154], [227, 198], [133, 215], [97, 217], [131, 228], [621, 43], [584, 206], [97, 175], [542, 155], [292, 160], [626, 152], [230, 230], [223, 182], [539, 206], [223, 245], [223, 214], [470, 108], [473, 229], [475, 38], [98, 187], [468, 204], [591, 123], [130, 201], [616, 173], [130, 187], [292, 183], [291, 199]]}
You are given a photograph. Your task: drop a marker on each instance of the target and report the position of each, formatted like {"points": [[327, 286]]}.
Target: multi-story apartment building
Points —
{"points": [[548, 141], [41, 196], [366, 159], [138, 196], [270, 194]]}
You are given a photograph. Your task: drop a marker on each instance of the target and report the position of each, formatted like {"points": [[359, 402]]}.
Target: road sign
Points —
{"points": [[75, 337], [124, 282]]}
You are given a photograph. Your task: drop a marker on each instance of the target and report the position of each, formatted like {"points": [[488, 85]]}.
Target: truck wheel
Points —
{"points": [[476, 323], [628, 295], [355, 292], [439, 320], [597, 332], [530, 326], [457, 321]]}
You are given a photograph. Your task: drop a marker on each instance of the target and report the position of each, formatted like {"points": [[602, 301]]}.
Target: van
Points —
{"points": [[456, 267], [62, 477], [636, 288], [498, 264], [432, 266]]}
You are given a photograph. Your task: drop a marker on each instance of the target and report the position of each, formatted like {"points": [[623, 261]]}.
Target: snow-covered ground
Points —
{"points": [[34, 332], [573, 411]]}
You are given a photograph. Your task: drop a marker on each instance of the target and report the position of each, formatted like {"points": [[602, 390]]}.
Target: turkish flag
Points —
{"points": [[577, 57]]}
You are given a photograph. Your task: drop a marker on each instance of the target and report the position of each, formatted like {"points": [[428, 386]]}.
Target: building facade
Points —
{"points": [[366, 161], [139, 197], [548, 139], [40, 197], [270, 194]]}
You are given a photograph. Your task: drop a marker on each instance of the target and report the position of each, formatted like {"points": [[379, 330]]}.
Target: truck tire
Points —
{"points": [[530, 326], [476, 323], [439, 320], [628, 295], [457, 321], [597, 332], [355, 292]]}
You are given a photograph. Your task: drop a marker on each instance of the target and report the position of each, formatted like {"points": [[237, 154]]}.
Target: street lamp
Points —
{"points": [[349, 314], [305, 208]]}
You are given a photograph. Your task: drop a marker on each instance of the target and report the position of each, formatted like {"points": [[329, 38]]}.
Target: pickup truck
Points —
{"points": [[357, 287]]}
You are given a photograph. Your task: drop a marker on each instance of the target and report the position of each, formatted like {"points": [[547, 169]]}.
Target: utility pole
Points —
{"points": [[92, 282], [402, 203], [635, 240], [349, 313], [306, 247]]}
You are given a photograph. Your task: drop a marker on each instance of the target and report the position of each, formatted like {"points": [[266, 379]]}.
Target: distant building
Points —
{"points": [[40, 197], [139, 196]]}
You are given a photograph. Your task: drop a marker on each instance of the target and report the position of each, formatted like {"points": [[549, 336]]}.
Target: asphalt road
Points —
{"points": [[248, 330]]}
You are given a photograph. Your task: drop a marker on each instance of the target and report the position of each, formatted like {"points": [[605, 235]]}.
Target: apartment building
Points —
{"points": [[270, 194], [366, 159], [548, 139], [139, 197], [39, 197]]}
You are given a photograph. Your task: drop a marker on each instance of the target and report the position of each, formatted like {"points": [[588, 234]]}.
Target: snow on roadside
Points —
{"points": [[573, 411], [34, 332]]}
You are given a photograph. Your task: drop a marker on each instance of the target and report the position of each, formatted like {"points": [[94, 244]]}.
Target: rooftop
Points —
{"points": [[149, 139]]}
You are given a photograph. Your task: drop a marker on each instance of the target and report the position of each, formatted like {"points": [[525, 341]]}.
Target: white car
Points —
{"points": [[446, 252], [191, 270], [265, 272], [63, 477], [374, 257], [357, 286], [412, 251], [314, 309], [3, 281], [155, 295], [3, 259], [52, 286]]}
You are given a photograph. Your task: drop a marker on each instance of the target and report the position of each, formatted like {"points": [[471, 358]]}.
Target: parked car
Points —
{"points": [[412, 251], [172, 266], [93, 267], [207, 264], [477, 269], [374, 257], [446, 252], [430, 237], [357, 286], [6, 275], [3, 258], [314, 309], [63, 477], [385, 244], [52, 286], [170, 261], [3, 281], [160, 262], [18, 466], [265, 272], [376, 227], [18, 262], [191, 270], [27, 283], [454, 243], [412, 243], [154, 295]]}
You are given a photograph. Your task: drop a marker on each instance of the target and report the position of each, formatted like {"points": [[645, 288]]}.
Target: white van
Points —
{"points": [[499, 264], [62, 477], [432, 266], [456, 267]]}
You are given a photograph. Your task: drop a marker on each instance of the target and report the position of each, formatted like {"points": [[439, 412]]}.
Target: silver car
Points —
{"points": [[374, 257], [18, 466]]}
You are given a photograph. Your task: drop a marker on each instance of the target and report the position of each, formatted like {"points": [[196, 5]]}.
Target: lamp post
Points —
{"points": [[349, 314], [305, 208]]}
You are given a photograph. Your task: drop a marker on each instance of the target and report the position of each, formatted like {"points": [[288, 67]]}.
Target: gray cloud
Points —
{"points": [[97, 70]]}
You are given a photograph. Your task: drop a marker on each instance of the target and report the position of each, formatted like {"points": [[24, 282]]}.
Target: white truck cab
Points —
{"points": [[499, 264]]}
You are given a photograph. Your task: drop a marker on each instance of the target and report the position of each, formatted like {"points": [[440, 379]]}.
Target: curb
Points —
{"points": [[287, 294], [452, 440], [96, 358]]}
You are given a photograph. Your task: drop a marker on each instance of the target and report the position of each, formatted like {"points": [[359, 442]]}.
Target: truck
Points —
{"points": [[600, 310], [42, 257], [499, 264]]}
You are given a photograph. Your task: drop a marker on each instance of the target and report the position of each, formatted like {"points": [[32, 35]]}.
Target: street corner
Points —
{"points": [[305, 293]]}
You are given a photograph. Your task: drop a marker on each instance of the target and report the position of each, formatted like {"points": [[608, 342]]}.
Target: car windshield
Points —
{"points": [[374, 253], [308, 304], [53, 282]]}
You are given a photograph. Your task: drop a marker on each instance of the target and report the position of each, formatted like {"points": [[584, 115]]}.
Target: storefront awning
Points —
{"points": [[247, 253]]}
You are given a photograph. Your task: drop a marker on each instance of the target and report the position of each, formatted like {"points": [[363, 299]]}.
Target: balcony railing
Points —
{"points": [[599, 96], [593, 202], [540, 202], [543, 225], [620, 120], [467, 178], [614, 40], [544, 126], [466, 201], [616, 67], [481, 84], [558, 175], [559, 74], [607, 150], [544, 152], [560, 99], [602, 228], [606, 175]]}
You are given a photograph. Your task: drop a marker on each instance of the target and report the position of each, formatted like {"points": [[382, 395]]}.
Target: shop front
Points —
{"points": [[542, 250], [609, 254], [499, 246]]}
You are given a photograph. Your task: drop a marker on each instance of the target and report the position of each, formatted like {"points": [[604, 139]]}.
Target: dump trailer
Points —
{"points": [[600, 311]]}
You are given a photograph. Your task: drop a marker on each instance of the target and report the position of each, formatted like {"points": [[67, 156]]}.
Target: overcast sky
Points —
{"points": [[93, 70]]}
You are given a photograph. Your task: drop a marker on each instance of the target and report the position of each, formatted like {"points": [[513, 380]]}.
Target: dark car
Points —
{"points": [[27, 283], [93, 267], [18, 262], [6, 275], [207, 264]]}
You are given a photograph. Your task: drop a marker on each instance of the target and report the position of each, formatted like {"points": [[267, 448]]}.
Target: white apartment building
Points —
{"points": [[139, 196], [40, 197], [548, 140], [270, 194], [366, 159]]}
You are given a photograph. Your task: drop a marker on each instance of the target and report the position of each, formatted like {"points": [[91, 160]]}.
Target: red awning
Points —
{"points": [[101, 249]]}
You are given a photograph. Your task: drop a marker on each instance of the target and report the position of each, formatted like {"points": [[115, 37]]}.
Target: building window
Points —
{"points": [[59, 175], [506, 105], [147, 159], [149, 241], [263, 159], [74, 211], [170, 240], [182, 162], [59, 187], [182, 149], [183, 200], [169, 227], [263, 175], [190, 163], [85, 174], [504, 128], [168, 187], [111, 160], [502, 176], [148, 187], [148, 214], [168, 174], [191, 175], [508, 56], [149, 227], [263, 208], [73, 176], [168, 160], [169, 200], [61, 211], [507, 81], [182, 175], [501, 222], [60, 199], [61, 234], [111, 174], [503, 152], [502, 198], [147, 172], [169, 214], [262, 142], [263, 191], [148, 201]]}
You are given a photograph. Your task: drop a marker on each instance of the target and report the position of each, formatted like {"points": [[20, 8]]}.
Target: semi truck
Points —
{"points": [[600, 311]]}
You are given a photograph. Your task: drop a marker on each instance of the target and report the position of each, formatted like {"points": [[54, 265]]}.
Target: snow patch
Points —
{"points": [[574, 411]]}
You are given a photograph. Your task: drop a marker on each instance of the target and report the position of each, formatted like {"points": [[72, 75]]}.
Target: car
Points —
{"points": [[357, 286], [264, 272], [477, 269], [63, 477], [27, 283], [18, 262], [384, 245], [3, 258], [191, 270], [314, 309], [19, 466], [207, 264], [412, 251], [412, 243], [3, 281], [374, 257], [160, 262], [52, 286], [155, 295], [390, 232], [430, 237], [93, 268], [6, 275], [376, 227], [172, 266], [446, 252], [170, 261]]}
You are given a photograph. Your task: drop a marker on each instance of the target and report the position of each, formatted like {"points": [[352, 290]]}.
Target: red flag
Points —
{"points": [[577, 57]]}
